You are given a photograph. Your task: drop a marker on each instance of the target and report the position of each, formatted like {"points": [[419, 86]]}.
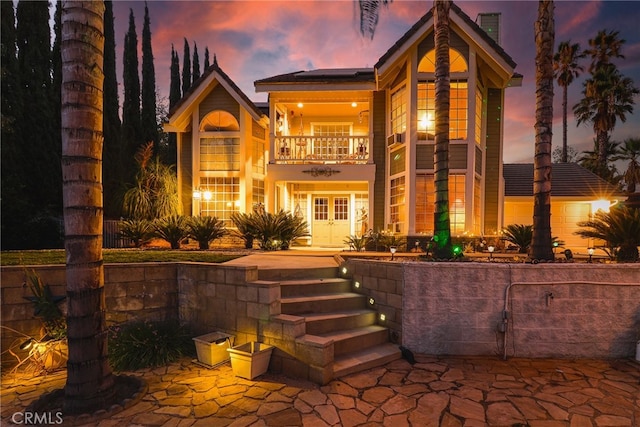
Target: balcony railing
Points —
{"points": [[321, 149]]}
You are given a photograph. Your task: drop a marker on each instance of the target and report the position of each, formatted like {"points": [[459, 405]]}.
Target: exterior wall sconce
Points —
{"points": [[590, 251], [197, 194], [491, 249], [393, 250]]}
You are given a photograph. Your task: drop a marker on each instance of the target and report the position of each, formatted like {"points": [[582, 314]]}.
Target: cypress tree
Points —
{"points": [[196, 63], [42, 171], [186, 68], [174, 96], [149, 123], [131, 132], [112, 158], [15, 207], [174, 89], [206, 58]]}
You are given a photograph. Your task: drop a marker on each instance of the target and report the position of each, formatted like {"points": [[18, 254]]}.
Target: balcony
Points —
{"points": [[321, 150]]}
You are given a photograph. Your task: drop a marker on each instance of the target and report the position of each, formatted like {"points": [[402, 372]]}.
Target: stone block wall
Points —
{"points": [[132, 292], [552, 310]]}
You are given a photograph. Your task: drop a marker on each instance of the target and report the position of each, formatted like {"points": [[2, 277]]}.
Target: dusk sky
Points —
{"points": [[255, 40]]}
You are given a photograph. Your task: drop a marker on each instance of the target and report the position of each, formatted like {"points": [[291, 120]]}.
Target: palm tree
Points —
{"points": [[369, 14], [608, 96], [90, 382], [630, 151], [442, 230], [603, 47], [589, 160], [619, 229], [566, 69], [544, 35]]}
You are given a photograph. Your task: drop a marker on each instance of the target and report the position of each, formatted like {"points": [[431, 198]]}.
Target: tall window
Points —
{"points": [[219, 154], [457, 110], [425, 203], [258, 191], [477, 206], [478, 118], [458, 113], [399, 111], [397, 205], [220, 197], [258, 157]]}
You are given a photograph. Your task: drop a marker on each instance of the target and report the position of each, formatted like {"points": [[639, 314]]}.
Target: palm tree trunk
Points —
{"points": [[544, 37], [442, 226], [90, 382], [565, 90]]}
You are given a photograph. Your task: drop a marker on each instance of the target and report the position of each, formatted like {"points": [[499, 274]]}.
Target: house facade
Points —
{"points": [[351, 150]]}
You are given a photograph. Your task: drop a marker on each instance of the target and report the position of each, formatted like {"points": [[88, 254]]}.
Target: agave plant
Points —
{"points": [[520, 235], [619, 229], [205, 229], [173, 229], [136, 230]]}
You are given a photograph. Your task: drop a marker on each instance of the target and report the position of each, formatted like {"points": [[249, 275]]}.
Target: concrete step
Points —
{"points": [[322, 303], [321, 323], [294, 288], [354, 340], [279, 274], [365, 359]]}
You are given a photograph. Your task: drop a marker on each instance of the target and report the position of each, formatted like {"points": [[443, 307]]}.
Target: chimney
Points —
{"points": [[490, 23]]}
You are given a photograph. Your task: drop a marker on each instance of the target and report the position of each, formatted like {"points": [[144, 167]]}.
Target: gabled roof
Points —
{"points": [[214, 72], [323, 75], [567, 180], [429, 16]]}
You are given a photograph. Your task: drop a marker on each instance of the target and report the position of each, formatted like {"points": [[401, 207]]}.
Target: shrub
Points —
{"points": [[172, 229], [204, 230], [388, 240], [619, 229], [46, 307], [147, 344], [136, 230], [273, 231], [358, 243], [244, 228], [520, 235]]}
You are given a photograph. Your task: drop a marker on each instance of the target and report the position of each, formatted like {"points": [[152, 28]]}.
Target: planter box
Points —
{"points": [[212, 348], [250, 360]]}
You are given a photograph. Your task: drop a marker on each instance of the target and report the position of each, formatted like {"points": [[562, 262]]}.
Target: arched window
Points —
{"points": [[458, 96], [456, 61], [219, 120]]}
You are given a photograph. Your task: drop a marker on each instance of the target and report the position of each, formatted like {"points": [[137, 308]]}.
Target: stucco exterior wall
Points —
{"points": [[552, 310]]}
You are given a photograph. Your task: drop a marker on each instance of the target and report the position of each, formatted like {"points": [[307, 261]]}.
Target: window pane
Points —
{"points": [[341, 208]]}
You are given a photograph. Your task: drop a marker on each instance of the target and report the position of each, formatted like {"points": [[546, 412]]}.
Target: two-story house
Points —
{"points": [[351, 150]]}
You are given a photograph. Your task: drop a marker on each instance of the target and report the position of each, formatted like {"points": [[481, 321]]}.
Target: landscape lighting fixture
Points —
{"points": [[372, 301], [383, 317], [591, 251], [393, 250], [491, 249]]}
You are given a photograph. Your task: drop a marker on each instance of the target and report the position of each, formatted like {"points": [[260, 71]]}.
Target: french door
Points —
{"points": [[331, 222]]}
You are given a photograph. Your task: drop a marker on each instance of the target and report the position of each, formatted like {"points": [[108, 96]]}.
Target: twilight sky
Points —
{"points": [[257, 39]]}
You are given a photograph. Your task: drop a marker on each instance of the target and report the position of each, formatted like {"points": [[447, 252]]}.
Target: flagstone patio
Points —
{"points": [[436, 391]]}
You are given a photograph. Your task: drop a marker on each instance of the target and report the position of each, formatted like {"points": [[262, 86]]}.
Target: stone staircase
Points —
{"points": [[335, 330]]}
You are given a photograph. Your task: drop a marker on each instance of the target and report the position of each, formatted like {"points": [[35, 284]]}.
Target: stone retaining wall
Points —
{"points": [[132, 292], [552, 310]]}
